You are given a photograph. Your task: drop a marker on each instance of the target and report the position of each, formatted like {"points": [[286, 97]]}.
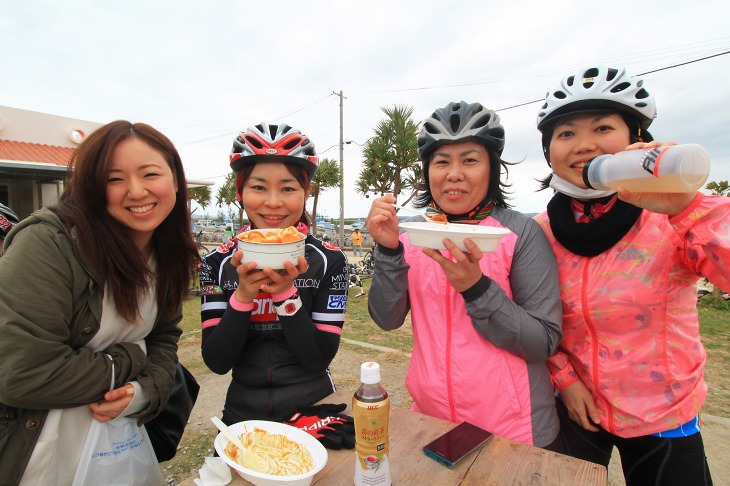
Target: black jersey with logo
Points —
{"points": [[278, 363]]}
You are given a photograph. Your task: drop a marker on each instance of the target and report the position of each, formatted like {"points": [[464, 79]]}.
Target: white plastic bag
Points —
{"points": [[118, 452]]}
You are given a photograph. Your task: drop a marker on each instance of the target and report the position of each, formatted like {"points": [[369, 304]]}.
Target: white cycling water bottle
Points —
{"points": [[672, 168]]}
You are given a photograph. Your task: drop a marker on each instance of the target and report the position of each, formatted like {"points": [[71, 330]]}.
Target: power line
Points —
{"points": [[230, 133], [639, 74], [622, 60], [684, 63]]}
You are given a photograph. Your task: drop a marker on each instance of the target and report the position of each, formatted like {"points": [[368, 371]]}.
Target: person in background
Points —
{"points": [[629, 368], [92, 292], [483, 323], [8, 219], [277, 330], [357, 239]]}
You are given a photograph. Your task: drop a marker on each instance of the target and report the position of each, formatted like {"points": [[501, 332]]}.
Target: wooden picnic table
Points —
{"points": [[499, 462]]}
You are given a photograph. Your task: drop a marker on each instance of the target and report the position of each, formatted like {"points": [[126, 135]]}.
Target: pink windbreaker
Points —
{"points": [[630, 325], [479, 358]]}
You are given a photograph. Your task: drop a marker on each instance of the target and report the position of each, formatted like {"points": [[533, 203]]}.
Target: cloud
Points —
{"points": [[202, 72]]}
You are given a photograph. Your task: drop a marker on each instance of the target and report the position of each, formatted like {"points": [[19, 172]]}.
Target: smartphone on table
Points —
{"points": [[456, 444]]}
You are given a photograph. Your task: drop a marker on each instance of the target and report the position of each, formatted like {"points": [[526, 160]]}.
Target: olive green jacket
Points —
{"points": [[50, 307]]}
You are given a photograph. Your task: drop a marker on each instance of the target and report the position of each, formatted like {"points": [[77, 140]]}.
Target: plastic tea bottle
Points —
{"points": [[371, 408], [675, 168]]}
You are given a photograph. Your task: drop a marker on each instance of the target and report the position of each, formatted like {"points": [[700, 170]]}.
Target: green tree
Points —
{"points": [[326, 177], [721, 188], [391, 155], [226, 196], [201, 195]]}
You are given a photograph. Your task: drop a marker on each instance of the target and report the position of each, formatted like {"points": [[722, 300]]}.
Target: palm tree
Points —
{"points": [[391, 155], [327, 176], [226, 196], [201, 195], [721, 188]]}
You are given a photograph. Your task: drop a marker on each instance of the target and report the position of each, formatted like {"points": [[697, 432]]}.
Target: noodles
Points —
{"points": [[271, 454]]}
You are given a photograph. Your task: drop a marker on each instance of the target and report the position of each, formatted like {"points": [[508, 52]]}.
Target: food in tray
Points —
{"points": [[430, 235], [273, 454], [278, 235], [438, 218]]}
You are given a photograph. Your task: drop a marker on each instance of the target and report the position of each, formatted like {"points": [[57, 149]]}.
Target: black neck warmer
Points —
{"points": [[590, 239]]}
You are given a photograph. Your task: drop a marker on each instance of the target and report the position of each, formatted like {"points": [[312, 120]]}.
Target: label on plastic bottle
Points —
{"points": [[371, 442]]}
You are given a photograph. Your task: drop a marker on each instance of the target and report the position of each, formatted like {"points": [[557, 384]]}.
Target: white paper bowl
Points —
{"points": [[272, 255], [319, 453], [431, 235]]}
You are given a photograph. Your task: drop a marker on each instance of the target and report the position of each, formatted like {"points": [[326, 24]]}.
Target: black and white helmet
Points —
{"points": [[8, 219], [598, 88], [460, 122]]}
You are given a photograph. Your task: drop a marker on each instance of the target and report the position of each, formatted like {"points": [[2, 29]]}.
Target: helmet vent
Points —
{"points": [[559, 95], [482, 121], [454, 121], [640, 104], [642, 93], [254, 142], [611, 74], [591, 73], [570, 81], [430, 128], [620, 87], [456, 107], [293, 143]]}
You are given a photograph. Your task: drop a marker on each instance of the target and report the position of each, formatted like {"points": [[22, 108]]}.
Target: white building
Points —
{"points": [[35, 149]]}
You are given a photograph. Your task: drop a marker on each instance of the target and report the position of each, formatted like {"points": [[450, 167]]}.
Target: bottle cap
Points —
{"points": [[370, 373]]}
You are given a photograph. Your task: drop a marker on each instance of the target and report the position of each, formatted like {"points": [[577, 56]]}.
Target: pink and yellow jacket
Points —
{"points": [[630, 325], [479, 356]]}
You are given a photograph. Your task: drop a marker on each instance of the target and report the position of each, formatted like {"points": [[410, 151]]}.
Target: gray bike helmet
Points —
{"points": [[460, 122], [8, 219], [598, 88]]}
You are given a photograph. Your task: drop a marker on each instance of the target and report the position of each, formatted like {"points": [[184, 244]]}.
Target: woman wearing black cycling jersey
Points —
{"points": [[277, 331]]}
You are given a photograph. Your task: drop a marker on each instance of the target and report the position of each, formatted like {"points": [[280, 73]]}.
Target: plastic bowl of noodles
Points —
{"points": [[271, 247], [431, 235], [275, 452]]}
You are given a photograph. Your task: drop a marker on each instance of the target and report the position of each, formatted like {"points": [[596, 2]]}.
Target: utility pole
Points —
{"points": [[341, 232]]}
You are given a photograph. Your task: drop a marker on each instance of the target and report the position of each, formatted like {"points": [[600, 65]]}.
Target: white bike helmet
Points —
{"points": [[275, 143], [598, 88], [460, 122]]}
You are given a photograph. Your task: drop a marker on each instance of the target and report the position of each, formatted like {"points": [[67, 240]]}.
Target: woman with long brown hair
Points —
{"points": [[92, 296]]}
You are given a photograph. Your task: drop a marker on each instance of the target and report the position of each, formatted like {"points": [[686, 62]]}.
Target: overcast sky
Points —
{"points": [[203, 71]]}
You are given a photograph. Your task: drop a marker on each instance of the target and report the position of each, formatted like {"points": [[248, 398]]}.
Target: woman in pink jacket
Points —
{"points": [[483, 323], [629, 367]]}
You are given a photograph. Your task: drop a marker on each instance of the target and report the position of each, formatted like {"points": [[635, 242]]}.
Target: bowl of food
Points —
{"points": [[271, 247], [431, 235], [274, 454]]}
